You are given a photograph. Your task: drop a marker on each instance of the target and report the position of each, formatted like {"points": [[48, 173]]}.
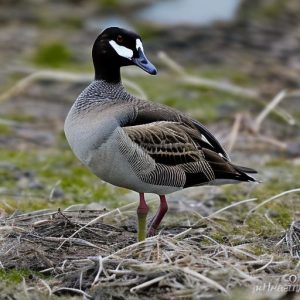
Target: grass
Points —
{"points": [[52, 54], [17, 275], [50, 169]]}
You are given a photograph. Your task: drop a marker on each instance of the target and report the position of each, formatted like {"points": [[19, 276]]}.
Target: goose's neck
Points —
{"points": [[106, 70]]}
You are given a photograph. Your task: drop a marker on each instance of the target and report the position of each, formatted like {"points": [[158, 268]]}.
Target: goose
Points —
{"points": [[137, 144]]}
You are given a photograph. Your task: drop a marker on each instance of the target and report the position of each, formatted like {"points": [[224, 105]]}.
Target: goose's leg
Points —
{"points": [[163, 208], [142, 212]]}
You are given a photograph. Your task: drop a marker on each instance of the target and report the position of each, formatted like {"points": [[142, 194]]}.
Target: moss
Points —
{"points": [[273, 10], [281, 214], [20, 117], [53, 54], [5, 129], [109, 4], [261, 226], [15, 275]]}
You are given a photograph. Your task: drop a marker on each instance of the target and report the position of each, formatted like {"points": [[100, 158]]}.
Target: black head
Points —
{"points": [[116, 47]]}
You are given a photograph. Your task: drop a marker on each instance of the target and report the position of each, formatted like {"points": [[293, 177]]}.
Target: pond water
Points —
{"points": [[190, 12]]}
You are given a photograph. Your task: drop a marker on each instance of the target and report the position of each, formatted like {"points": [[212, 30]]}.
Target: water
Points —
{"points": [[190, 12]]}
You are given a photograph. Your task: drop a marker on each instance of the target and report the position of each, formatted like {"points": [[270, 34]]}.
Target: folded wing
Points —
{"points": [[182, 157]]}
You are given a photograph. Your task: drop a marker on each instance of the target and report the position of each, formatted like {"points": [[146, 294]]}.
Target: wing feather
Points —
{"points": [[175, 143]]}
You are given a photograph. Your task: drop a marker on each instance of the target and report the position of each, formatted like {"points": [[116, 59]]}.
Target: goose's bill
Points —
{"points": [[143, 62]]}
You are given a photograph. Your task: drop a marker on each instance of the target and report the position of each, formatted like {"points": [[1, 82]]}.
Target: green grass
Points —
{"points": [[51, 168], [53, 54], [15, 275], [5, 129]]}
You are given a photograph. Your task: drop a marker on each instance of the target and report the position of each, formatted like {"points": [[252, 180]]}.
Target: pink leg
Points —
{"points": [[142, 212], [163, 208], [143, 207]]}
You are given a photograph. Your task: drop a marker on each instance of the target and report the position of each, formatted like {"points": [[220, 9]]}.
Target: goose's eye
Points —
{"points": [[120, 38]]}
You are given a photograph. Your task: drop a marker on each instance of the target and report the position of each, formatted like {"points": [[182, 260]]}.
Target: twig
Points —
{"points": [[230, 206], [211, 282], [57, 183], [234, 132], [182, 234], [264, 113], [100, 269], [47, 286], [271, 141], [263, 267], [147, 283], [271, 199], [72, 290]]}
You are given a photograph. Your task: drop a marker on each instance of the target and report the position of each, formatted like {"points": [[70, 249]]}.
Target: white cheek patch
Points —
{"points": [[139, 44], [121, 50]]}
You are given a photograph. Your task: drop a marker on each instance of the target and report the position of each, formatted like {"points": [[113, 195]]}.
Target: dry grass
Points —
{"points": [[103, 260]]}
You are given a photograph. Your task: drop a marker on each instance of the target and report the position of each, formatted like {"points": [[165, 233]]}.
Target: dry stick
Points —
{"points": [[100, 269], [243, 274], [237, 249], [80, 280], [230, 206], [199, 81], [263, 267], [25, 288], [72, 290], [76, 241], [46, 285], [60, 76], [269, 200], [147, 283], [57, 183], [264, 113], [271, 141], [182, 234], [234, 132], [129, 248], [211, 282]]}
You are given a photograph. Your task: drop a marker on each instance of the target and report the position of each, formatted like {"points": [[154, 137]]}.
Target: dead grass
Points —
{"points": [[103, 261]]}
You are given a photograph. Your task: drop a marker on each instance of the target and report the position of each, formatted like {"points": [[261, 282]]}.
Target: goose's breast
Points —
{"points": [[87, 133]]}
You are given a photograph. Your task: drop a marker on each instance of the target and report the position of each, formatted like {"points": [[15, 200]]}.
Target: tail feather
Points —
{"points": [[244, 169]]}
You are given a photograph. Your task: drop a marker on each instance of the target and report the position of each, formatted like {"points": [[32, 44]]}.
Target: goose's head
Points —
{"points": [[116, 47]]}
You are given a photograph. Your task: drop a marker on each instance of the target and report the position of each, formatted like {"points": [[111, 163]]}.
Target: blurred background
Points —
{"points": [[220, 61]]}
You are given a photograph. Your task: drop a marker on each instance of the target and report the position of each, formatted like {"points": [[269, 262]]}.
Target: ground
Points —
{"points": [[214, 241]]}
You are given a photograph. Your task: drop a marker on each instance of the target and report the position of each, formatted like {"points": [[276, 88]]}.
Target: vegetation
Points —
{"points": [[54, 55]]}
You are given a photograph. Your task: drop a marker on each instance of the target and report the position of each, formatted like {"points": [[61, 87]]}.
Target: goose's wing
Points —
{"points": [[154, 113], [169, 143], [178, 149]]}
